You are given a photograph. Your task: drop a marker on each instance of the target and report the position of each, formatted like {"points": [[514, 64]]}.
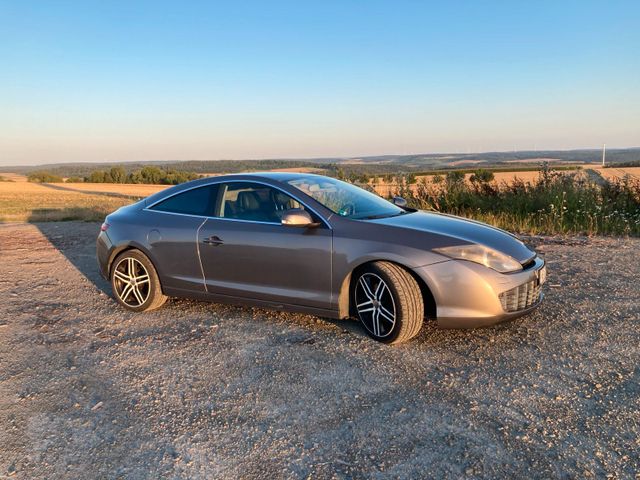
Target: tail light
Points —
{"points": [[104, 226]]}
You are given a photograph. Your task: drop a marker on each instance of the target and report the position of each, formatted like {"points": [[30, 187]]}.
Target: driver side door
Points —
{"points": [[246, 252]]}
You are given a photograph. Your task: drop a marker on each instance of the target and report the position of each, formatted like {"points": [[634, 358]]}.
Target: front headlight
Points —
{"points": [[482, 255]]}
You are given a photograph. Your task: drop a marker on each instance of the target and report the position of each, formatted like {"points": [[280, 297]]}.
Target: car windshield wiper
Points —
{"points": [[384, 215]]}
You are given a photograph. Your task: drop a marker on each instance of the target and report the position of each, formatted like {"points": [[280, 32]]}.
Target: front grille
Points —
{"points": [[521, 297]]}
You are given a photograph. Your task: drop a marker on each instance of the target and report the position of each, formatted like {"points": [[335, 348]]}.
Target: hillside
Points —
{"points": [[371, 164]]}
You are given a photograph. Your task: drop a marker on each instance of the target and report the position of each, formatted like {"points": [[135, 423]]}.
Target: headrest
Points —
{"points": [[248, 201], [280, 199]]}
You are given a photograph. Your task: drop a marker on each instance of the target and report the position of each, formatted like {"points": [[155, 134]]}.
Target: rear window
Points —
{"points": [[198, 201]]}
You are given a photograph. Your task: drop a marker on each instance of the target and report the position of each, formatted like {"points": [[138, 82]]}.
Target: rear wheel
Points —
{"points": [[135, 282], [388, 302]]}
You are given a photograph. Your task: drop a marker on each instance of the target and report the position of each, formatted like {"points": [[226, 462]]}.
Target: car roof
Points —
{"points": [[248, 176], [281, 176]]}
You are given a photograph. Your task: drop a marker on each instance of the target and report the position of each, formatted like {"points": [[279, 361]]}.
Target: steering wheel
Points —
{"points": [[347, 210]]}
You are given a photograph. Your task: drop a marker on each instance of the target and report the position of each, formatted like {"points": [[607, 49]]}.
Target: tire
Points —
{"points": [[146, 292], [388, 292]]}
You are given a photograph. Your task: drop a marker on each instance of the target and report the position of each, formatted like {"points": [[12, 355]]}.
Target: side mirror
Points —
{"points": [[399, 202], [297, 217]]}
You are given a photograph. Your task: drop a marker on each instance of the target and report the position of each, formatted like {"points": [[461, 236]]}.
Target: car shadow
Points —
{"points": [[76, 241]]}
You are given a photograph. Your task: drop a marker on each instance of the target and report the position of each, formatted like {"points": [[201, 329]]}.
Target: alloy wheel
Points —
{"points": [[131, 282], [375, 305]]}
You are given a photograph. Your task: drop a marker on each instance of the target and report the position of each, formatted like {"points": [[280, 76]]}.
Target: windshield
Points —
{"points": [[345, 199]]}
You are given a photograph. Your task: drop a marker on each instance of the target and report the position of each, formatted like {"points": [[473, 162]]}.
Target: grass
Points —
{"points": [[554, 203], [618, 172], [117, 189], [33, 202]]}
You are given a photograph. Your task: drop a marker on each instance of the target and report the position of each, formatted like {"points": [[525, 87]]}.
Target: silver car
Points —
{"points": [[313, 244]]}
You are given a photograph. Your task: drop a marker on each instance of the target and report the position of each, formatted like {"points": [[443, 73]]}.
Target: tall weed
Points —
{"points": [[553, 204]]}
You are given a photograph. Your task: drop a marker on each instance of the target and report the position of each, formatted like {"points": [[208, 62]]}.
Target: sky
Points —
{"points": [[153, 80]]}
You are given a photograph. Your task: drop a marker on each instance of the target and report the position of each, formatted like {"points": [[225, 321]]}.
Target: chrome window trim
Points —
{"points": [[176, 213], [150, 207]]}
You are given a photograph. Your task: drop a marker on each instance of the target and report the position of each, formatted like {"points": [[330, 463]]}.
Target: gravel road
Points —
{"points": [[197, 390]]}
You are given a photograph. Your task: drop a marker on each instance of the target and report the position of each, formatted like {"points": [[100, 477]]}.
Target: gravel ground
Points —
{"points": [[198, 390]]}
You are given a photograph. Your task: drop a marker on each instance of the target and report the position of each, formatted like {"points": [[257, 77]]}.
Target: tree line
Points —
{"points": [[146, 175]]}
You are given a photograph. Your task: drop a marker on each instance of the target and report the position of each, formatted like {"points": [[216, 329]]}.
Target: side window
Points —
{"points": [[255, 202], [199, 201]]}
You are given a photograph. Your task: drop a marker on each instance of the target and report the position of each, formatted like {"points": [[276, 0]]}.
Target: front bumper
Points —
{"points": [[467, 294]]}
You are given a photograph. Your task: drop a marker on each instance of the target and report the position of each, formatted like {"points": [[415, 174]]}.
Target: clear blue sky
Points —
{"points": [[135, 80]]}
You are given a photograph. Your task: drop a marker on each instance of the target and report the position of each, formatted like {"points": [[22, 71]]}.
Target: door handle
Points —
{"points": [[213, 240]]}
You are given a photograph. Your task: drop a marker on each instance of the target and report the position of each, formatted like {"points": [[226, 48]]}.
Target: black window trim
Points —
{"points": [[219, 199]]}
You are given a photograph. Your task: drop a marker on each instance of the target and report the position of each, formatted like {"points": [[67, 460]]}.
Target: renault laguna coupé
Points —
{"points": [[313, 244]]}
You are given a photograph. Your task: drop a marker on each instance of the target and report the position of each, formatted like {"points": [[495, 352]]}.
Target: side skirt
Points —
{"points": [[250, 302]]}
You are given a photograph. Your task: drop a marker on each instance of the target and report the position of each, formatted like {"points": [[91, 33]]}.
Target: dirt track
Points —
{"points": [[199, 390]]}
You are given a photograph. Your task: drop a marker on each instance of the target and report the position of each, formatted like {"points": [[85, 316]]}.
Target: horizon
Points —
{"points": [[154, 81], [328, 158], [318, 159]]}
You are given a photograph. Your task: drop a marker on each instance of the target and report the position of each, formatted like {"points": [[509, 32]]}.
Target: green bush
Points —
{"points": [[481, 176], [455, 178], [43, 176]]}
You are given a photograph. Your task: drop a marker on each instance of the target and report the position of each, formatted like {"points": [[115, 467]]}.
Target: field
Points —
{"points": [[619, 173], [132, 190], [387, 189], [22, 201]]}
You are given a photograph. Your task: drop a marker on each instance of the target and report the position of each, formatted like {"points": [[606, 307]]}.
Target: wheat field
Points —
{"points": [[22, 201], [131, 189], [618, 173], [386, 189]]}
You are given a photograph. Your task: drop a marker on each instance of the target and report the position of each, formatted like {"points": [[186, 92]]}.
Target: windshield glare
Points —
{"points": [[345, 199]]}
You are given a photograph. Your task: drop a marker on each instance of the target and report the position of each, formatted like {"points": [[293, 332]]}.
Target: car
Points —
{"points": [[313, 244]]}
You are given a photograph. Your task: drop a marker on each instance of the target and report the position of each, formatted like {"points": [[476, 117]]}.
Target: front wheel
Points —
{"points": [[388, 302], [135, 282]]}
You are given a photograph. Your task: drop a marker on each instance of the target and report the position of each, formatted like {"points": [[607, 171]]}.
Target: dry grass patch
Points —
{"points": [[31, 202], [619, 173], [134, 190], [13, 177]]}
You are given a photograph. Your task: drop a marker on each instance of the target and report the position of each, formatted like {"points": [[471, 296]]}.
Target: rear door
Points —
{"points": [[246, 251]]}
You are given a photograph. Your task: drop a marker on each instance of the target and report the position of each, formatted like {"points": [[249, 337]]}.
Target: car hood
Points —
{"points": [[467, 231]]}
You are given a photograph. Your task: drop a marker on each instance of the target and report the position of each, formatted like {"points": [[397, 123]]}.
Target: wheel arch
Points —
{"points": [[345, 304], [130, 246]]}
